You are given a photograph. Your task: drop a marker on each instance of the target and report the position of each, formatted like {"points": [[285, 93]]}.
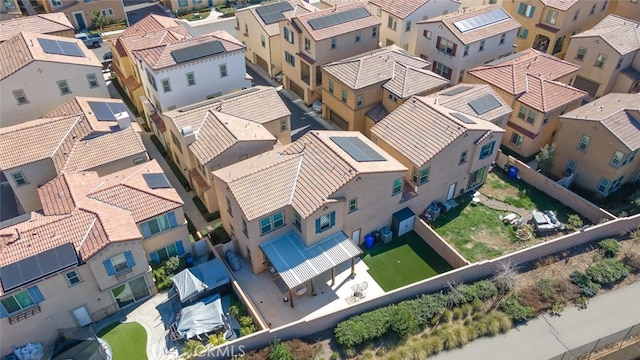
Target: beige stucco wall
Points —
{"points": [[120, 164], [37, 173], [105, 281], [625, 8], [70, 7], [164, 238], [127, 68], [271, 52], [353, 114], [284, 136]]}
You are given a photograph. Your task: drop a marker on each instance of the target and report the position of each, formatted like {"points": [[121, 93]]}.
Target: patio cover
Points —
{"points": [[297, 263], [202, 317], [190, 283]]}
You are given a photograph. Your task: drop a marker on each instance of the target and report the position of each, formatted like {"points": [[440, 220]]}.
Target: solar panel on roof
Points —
{"points": [[37, 266], [357, 149], [457, 90], [60, 47], [339, 18], [198, 51], [106, 111], [462, 118], [157, 181], [481, 20], [484, 104], [272, 13]]}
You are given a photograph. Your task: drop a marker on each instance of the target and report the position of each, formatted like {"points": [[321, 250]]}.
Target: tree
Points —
{"points": [[192, 349], [545, 158], [98, 20]]}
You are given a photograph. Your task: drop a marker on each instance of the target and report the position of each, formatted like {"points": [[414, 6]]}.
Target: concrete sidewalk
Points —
{"points": [[548, 337]]}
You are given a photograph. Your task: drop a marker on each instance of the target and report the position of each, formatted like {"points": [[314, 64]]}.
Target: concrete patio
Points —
{"points": [[268, 297]]}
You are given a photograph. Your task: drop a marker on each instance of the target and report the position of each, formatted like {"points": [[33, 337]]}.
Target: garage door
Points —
{"points": [[262, 63], [336, 119], [296, 89], [586, 85]]}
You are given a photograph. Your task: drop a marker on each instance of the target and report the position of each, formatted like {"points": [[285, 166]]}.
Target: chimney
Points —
{"points": [[123, 119]]}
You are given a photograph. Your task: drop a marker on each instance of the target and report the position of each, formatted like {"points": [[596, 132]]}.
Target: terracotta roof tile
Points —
{"points": [[41, 24], [560, 4], [408, 81], [299, 7], [130, 83], [477, 34], [145, 40], [202, 183], [150, 23], [547, 95], [621, 33], [460, 101], [327, 32], [79, 105], [399, 8]]}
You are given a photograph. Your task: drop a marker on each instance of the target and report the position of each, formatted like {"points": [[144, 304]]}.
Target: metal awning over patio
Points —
{"points": [[297, 263]]}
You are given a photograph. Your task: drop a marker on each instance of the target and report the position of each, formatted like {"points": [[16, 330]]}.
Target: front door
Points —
{"points": [[452, 191], [79, 17], [82, 316], [355, 236]]}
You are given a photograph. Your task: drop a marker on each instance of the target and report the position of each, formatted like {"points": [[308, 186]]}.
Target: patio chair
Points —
{"points": [[361, 289], [173, 332]]}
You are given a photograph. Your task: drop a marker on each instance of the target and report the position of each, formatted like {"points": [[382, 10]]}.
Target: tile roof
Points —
{"points": [[150, 23], [421, 128], [299, 7], [41, 23], [621, 33], [408, 81], [24, 48], [304, 174], [399, 8], [126, 44], [341, 2], [344, 28], [460, 100], [219, 132], [160, 56], [260, 104], [559, 4], [547, 95], [479, 33], [79, 105], [619, 113]]}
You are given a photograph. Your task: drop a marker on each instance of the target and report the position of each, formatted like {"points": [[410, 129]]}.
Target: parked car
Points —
{"points": [[108, 56], [317, 106], [90, 40]]}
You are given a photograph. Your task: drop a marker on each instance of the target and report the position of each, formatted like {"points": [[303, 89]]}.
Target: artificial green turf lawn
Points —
{"points": [[127, 340], [403, 261]]}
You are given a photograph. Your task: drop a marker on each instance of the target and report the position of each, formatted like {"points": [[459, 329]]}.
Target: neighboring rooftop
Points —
{"points": [[260, 104], [327, 23], [399, 8], [475, 24], [560, 4], [150, 23], [421, 128], [25, 48], [619, 113], [621, 33], [100, 112], [473, 99], [137, 41], [304, 174], [41, 24], [269, 14]]}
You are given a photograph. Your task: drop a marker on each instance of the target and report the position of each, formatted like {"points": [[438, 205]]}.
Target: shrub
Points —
{"points": [[583, 281], [402, 320], [350, 352], [546, 288], [457, 314], [516, 311], [447, 315], [217, 339], [158, 144], [363, 327], [432, 345], [632, 260], [467, 310], [246, 325], [172, 265], [209, 217], [574, 221], [478, 306], [485, 290], [610, 247], [280, 351], [608, 271], [334, 356]]}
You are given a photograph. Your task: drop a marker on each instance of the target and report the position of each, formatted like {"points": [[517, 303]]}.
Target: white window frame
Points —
{"points": [[71, 275], [526, 113], [56, 3], [463, 157], [283, 125], [358, 35], [166, 85], [19, 94], [191, 78], [517, 139], [62, 85], [397, 186], [353, 205], [420, 176], [583, 145], [224, 71], [570, 168], [481, 46], [552, 17], [19, 178], [601, 59], [333, 42], [581, 53], [273, 220], [93, 81]]}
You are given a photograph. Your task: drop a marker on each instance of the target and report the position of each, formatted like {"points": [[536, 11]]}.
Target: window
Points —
{"points": [[56, 2], [481, 48], [426, 34], [130, 292], [119, 263], [223, 70], [191, 79], [244, 227], [325, 222], [20, 301], [229, 207], [407, 26], [358, 33], [443, 70], [166, 85], [604, 6], [271, 222], [615, 184], [420, 176], [152, 80], [392, 23], [307, 44], [64, 87], [246, 28], [331, 86], [630, 157], [463, 157], [446, 46], [21, 98], [344, 95], [263, 41], [600, 60], [374, 32], [527, 114], [582, 51], [140, 160], [616, 160], [523, 32], [164, 253], [161, 223], [290, 59], [93, 80], [487, 150], [182, 3], [517, 139], [353, 205], [502, 38], [570, 168], [72, 277], [604, 184], [288, 35], [619, 64], [176, 142], [397, 186], [297, 220], [593, 9], [466, 50], [526, 10], [584, 143], [333, 42], [19, 178], [575, 15], [359, 100], [552, 17]]}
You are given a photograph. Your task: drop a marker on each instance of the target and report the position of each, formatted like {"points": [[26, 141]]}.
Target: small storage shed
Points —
{"points": [[402, 221]]}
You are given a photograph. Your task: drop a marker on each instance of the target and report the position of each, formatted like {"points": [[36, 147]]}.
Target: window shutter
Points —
{"points": [[172, 219], [130, 261], [453, 51], [317, 225], [525, 33], [522, 8], [333, 218], [433, 66], [424, 33], [146, 231], [155, 258], [179, 248], [438, 42], [3, 312], [449, 73], [36, 295], [109, 267]]}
